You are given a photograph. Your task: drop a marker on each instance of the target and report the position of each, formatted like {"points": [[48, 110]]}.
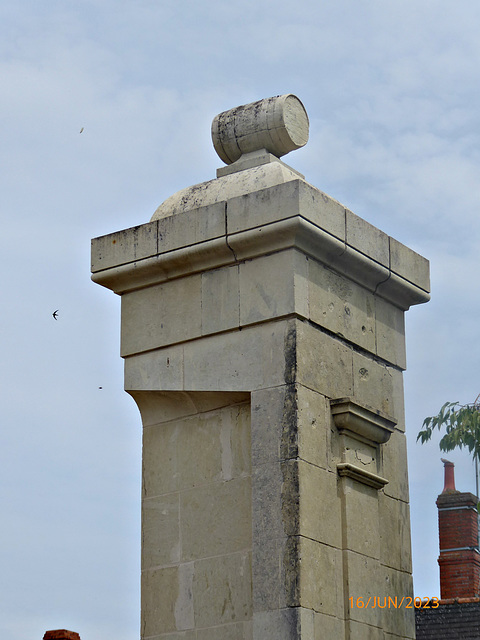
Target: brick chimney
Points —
{"points": [[61, 634], [459, 558]]}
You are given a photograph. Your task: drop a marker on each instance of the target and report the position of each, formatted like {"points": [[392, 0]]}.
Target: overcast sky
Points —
{"points": [[392, 89]]}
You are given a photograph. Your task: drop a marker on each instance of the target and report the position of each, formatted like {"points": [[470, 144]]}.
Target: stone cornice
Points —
{"points": [[289, 215]]}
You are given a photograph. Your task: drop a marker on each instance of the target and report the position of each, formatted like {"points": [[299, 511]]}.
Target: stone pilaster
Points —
{"points": [[263, 337]]}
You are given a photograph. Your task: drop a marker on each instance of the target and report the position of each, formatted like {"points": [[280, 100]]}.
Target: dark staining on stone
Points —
{"points": [[363, 373], [290, 350], [289, 443], [292, 575]]}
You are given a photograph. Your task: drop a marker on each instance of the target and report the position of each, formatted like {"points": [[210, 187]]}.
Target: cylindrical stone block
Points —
{"points": [[278, 124]]}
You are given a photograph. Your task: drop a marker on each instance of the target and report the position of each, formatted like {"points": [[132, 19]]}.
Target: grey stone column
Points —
{"points": [[263, 337]]}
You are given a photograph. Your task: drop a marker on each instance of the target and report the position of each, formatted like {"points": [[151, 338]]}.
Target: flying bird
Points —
{"points": [[55, 314], [81, 130]]}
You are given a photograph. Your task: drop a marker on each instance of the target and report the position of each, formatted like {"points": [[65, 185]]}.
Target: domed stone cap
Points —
{"points": [[279, 125]]}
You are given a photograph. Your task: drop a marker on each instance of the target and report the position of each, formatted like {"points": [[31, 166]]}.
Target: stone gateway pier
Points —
{"points": [[263, 338]]}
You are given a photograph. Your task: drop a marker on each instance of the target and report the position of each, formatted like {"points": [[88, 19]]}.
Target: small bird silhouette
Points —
{"points": [[55, 314], [81, 130]]}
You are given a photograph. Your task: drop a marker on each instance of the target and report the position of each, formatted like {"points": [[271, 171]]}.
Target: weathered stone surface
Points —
{"points": [[180, 635], [234, 631], [361, 631], [341, 306], [244, 360], [394, 533], [326, 626], [161, 315], [160, 591], [124, 246], [273, 286], [393, 467], [375, 385], [361, 524], [220, 300], [390, 333], [323, 364], [364, 237], [320, 517], [160, 531], [215, 519], [278, 124], [222, 590], [157, 370], [314, 576], [409, 265], [399, 620], [313, 427], [278, 624]]}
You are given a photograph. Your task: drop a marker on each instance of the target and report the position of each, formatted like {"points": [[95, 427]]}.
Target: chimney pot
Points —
{"points": [[449, 476], [61, 634]]}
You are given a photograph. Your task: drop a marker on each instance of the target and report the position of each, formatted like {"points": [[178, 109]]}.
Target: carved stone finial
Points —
{"points": [[278, 124]]}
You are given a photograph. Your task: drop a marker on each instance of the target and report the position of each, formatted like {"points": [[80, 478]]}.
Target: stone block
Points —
{"points": [[361, 631], [216, 519], [393, 455], [161, 315], [315, 580], [263, 207], [362, 579], [269, 413], [222, 590], [191, 227], [313, 426], [273, 286], [279, 624], [367, 239], [322, 210], [287, 200], [244, 360], [361, 523], [398, 620], [159, 594], [320, 515], [268, 493], [124, 246], [160, 531], [159, 460], [395, 540], [378, 385], [180, 635], [220, 300], [158, 407], [234, 631], [409, 265], [390, 333], [199, 450], [157, 370], [235, 438], [341, 306], [323, 364], [268, 589], [326, 626]]}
